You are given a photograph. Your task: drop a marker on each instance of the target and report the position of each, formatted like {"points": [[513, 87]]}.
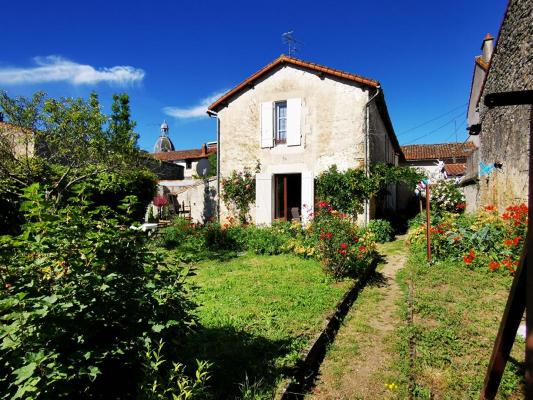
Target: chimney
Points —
{"points": [[204, 149], [487, 47]]}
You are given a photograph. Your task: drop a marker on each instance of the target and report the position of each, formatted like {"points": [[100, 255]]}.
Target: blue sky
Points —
{"points": [[170, 56]]}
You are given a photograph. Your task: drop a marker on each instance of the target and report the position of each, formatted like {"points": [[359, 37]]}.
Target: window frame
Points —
{"points": [[277, 138]]}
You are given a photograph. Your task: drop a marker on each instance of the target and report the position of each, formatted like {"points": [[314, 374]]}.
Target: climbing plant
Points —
{"points": [[347, 190], [238, 192]]}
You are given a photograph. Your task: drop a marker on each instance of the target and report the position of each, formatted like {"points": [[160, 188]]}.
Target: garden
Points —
{"points": [[458, 299], [90, 308]]}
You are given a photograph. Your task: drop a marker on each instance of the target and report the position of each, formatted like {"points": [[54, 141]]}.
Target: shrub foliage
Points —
{"points": [[81, 300]]}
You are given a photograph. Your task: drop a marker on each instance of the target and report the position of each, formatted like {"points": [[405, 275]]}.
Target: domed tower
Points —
{"points": [[163, 143]]}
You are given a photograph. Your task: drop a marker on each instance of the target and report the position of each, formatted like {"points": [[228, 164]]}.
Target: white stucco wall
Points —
{"points": [[332, 124]]}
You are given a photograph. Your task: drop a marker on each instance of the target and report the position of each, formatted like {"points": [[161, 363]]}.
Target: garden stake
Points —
{"points": [[428, 226]]}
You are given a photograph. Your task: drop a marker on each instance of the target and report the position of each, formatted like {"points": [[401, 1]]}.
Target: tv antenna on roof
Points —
{"points": [[290, 41]]}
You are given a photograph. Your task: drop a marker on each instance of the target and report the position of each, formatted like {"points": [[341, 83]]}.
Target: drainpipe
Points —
{"points": [[367, 148], [213, 114]]}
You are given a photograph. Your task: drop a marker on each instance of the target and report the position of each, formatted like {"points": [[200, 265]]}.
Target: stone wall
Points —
{"points": [[200, 195], [505, 130]]}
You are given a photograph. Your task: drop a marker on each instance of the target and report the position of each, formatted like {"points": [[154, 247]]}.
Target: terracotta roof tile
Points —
{"points": [[183, 154], [283, 59], [433, 151], [455, 169]]}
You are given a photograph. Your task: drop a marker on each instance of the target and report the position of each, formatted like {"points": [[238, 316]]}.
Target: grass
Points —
{"points": [[457, 312], [257, 313]]}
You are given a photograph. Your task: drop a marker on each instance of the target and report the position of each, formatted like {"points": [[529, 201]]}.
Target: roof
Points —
{"points": [[184, 154], [434, 151], [455, 169], [285, 60]]}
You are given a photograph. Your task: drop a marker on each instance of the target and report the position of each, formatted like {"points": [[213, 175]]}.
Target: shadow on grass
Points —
{"points": [[238, 357]]}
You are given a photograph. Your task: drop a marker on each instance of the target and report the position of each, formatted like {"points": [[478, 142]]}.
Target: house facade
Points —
{"points": [[293, 120], [498, 172]]}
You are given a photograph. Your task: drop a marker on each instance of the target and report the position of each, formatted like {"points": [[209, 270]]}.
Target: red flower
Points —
{"points": [[468, 260], [516, 240], [508, 242], [490, 207], [494, 265], [343, 252], [457, 238], [344, 246], [323, 204], [508, 263], [362, 249], [461, 206], [472, 254]]}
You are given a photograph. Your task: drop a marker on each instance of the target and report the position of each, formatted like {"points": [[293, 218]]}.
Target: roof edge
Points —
{"points": [[283, 59]]}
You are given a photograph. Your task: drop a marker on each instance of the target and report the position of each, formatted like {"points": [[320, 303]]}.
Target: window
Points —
{"points": [[280, 122], [188, 164]]}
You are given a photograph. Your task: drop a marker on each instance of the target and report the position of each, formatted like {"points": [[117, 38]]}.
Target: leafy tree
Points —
{"points": [[69, 141]]}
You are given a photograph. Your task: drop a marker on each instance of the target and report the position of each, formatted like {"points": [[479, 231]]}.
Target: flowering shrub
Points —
{"points": [[446, 196], [485, 239], [238, 192], [342, 248]]}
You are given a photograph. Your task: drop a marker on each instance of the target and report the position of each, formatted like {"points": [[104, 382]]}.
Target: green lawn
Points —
{"points": [[457, 312], [257, 313]]}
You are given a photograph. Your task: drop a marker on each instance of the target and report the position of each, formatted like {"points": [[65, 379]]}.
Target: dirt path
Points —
{"points": [[357, 364]]}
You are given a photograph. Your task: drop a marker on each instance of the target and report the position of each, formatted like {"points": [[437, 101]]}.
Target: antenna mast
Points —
{"points": [[290, 41]]}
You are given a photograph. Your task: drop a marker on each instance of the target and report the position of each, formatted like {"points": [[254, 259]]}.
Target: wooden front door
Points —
{"points": [[287, 195]]}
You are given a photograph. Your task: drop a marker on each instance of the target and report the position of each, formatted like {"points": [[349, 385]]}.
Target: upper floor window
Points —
{"points": [[280, 123], [280, 118]]}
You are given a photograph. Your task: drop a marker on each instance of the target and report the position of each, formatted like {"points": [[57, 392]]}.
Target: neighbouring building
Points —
{"points": [[17, 141], [498, 172], [427, 156], [295, 119], [438, 161], [164, 150], [187, 195]]}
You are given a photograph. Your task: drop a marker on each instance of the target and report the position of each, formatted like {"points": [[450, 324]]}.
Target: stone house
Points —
{"points": [[295, 119], [498, 173]]}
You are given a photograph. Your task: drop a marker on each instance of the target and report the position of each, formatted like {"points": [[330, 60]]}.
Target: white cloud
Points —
{"points": [[58, 69], [196, 111]]}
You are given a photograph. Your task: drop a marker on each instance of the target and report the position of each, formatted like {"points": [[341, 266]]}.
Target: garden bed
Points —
{"points": [[257, 314]]}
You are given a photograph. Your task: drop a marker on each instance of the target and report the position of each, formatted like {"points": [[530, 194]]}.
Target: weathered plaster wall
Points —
{"points": [[505, 130], [332, 123]]}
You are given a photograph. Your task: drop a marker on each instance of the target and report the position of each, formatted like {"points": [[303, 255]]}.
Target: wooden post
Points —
{"points": [[521, 294], [529, 271], [428, 223], [420, 203]]}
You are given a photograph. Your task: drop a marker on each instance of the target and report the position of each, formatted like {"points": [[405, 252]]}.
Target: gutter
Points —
{"points": [[213, 114]]}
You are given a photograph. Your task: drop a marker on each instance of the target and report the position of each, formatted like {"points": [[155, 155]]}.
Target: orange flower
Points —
{"points": [[494, 265]]}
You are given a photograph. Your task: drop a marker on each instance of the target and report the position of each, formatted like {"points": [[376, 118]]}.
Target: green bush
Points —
{"points": [[81, 297], [381, 229], [265, 240]]}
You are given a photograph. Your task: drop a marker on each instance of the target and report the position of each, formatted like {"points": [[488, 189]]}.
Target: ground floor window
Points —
{"points": [[287, 196]]}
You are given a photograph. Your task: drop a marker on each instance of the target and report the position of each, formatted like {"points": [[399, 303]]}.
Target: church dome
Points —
{"points": [[163, 143]]}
